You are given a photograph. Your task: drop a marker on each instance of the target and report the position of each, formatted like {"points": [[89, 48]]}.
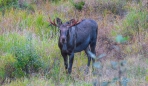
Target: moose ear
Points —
{"points": [[59, 22], [71, 22]]}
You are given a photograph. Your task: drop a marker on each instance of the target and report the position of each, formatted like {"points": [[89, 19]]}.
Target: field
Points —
{"points": [[29, 52]]}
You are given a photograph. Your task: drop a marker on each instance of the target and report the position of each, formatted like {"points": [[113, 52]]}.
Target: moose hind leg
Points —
{"points": [[92, 47], [89, 58]]}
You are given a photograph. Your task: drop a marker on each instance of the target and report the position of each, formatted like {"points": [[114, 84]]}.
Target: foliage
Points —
{"points": [[25, 60], [78, 5], [135, 22], [28, 60], [6, 62], [17, 4], [6, 3], [55, 1], [27, 6]]}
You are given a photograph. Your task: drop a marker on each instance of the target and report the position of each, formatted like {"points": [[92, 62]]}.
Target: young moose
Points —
{"points": [[74, 37]]}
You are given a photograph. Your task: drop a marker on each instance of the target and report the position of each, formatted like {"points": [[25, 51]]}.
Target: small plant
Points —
{"points": [[28, 6], [55, 1], [6, 62], [5, 4], [78, 5], [8, 3]]}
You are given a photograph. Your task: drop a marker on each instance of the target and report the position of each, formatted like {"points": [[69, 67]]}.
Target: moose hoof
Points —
{"points": [[69, 71], [86, 71]]}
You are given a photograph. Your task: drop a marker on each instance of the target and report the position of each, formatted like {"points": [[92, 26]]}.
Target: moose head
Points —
{"points": [[63, 27]]}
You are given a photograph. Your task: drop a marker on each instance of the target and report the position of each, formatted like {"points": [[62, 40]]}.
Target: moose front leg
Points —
{"points": [[65, 60], [71, 58]]}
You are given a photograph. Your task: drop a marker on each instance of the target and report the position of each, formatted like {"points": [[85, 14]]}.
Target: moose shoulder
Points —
{"points": [[74, 37]]}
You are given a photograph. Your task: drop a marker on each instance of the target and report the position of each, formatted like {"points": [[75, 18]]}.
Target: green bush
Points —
{"points": [[55, 1], [4, 3], [78, 5], [135, 21], [25, 59], [17, 4], [6, 68], [8, 3], [26, 5], [28, 60]]}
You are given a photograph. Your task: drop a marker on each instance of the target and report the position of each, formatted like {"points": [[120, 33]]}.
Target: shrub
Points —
{"points": [[19, 4], [135, 21], [7, 4], [6, 62], [28, 60], [78, 5], [29, 7], [54, 1], [25, 59]]}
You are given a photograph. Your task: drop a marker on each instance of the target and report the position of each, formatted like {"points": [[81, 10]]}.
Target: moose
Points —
{"points": [[76, 36]]}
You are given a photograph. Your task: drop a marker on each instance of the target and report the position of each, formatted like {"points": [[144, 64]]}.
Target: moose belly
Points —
{"points": [[82, 45]]}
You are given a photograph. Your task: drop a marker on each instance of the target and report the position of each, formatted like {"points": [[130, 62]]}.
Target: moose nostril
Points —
{"points": [[63, 40]]}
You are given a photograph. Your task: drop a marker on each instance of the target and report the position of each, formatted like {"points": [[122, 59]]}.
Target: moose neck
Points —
{"points": [[71, 41], [71, 35]]}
